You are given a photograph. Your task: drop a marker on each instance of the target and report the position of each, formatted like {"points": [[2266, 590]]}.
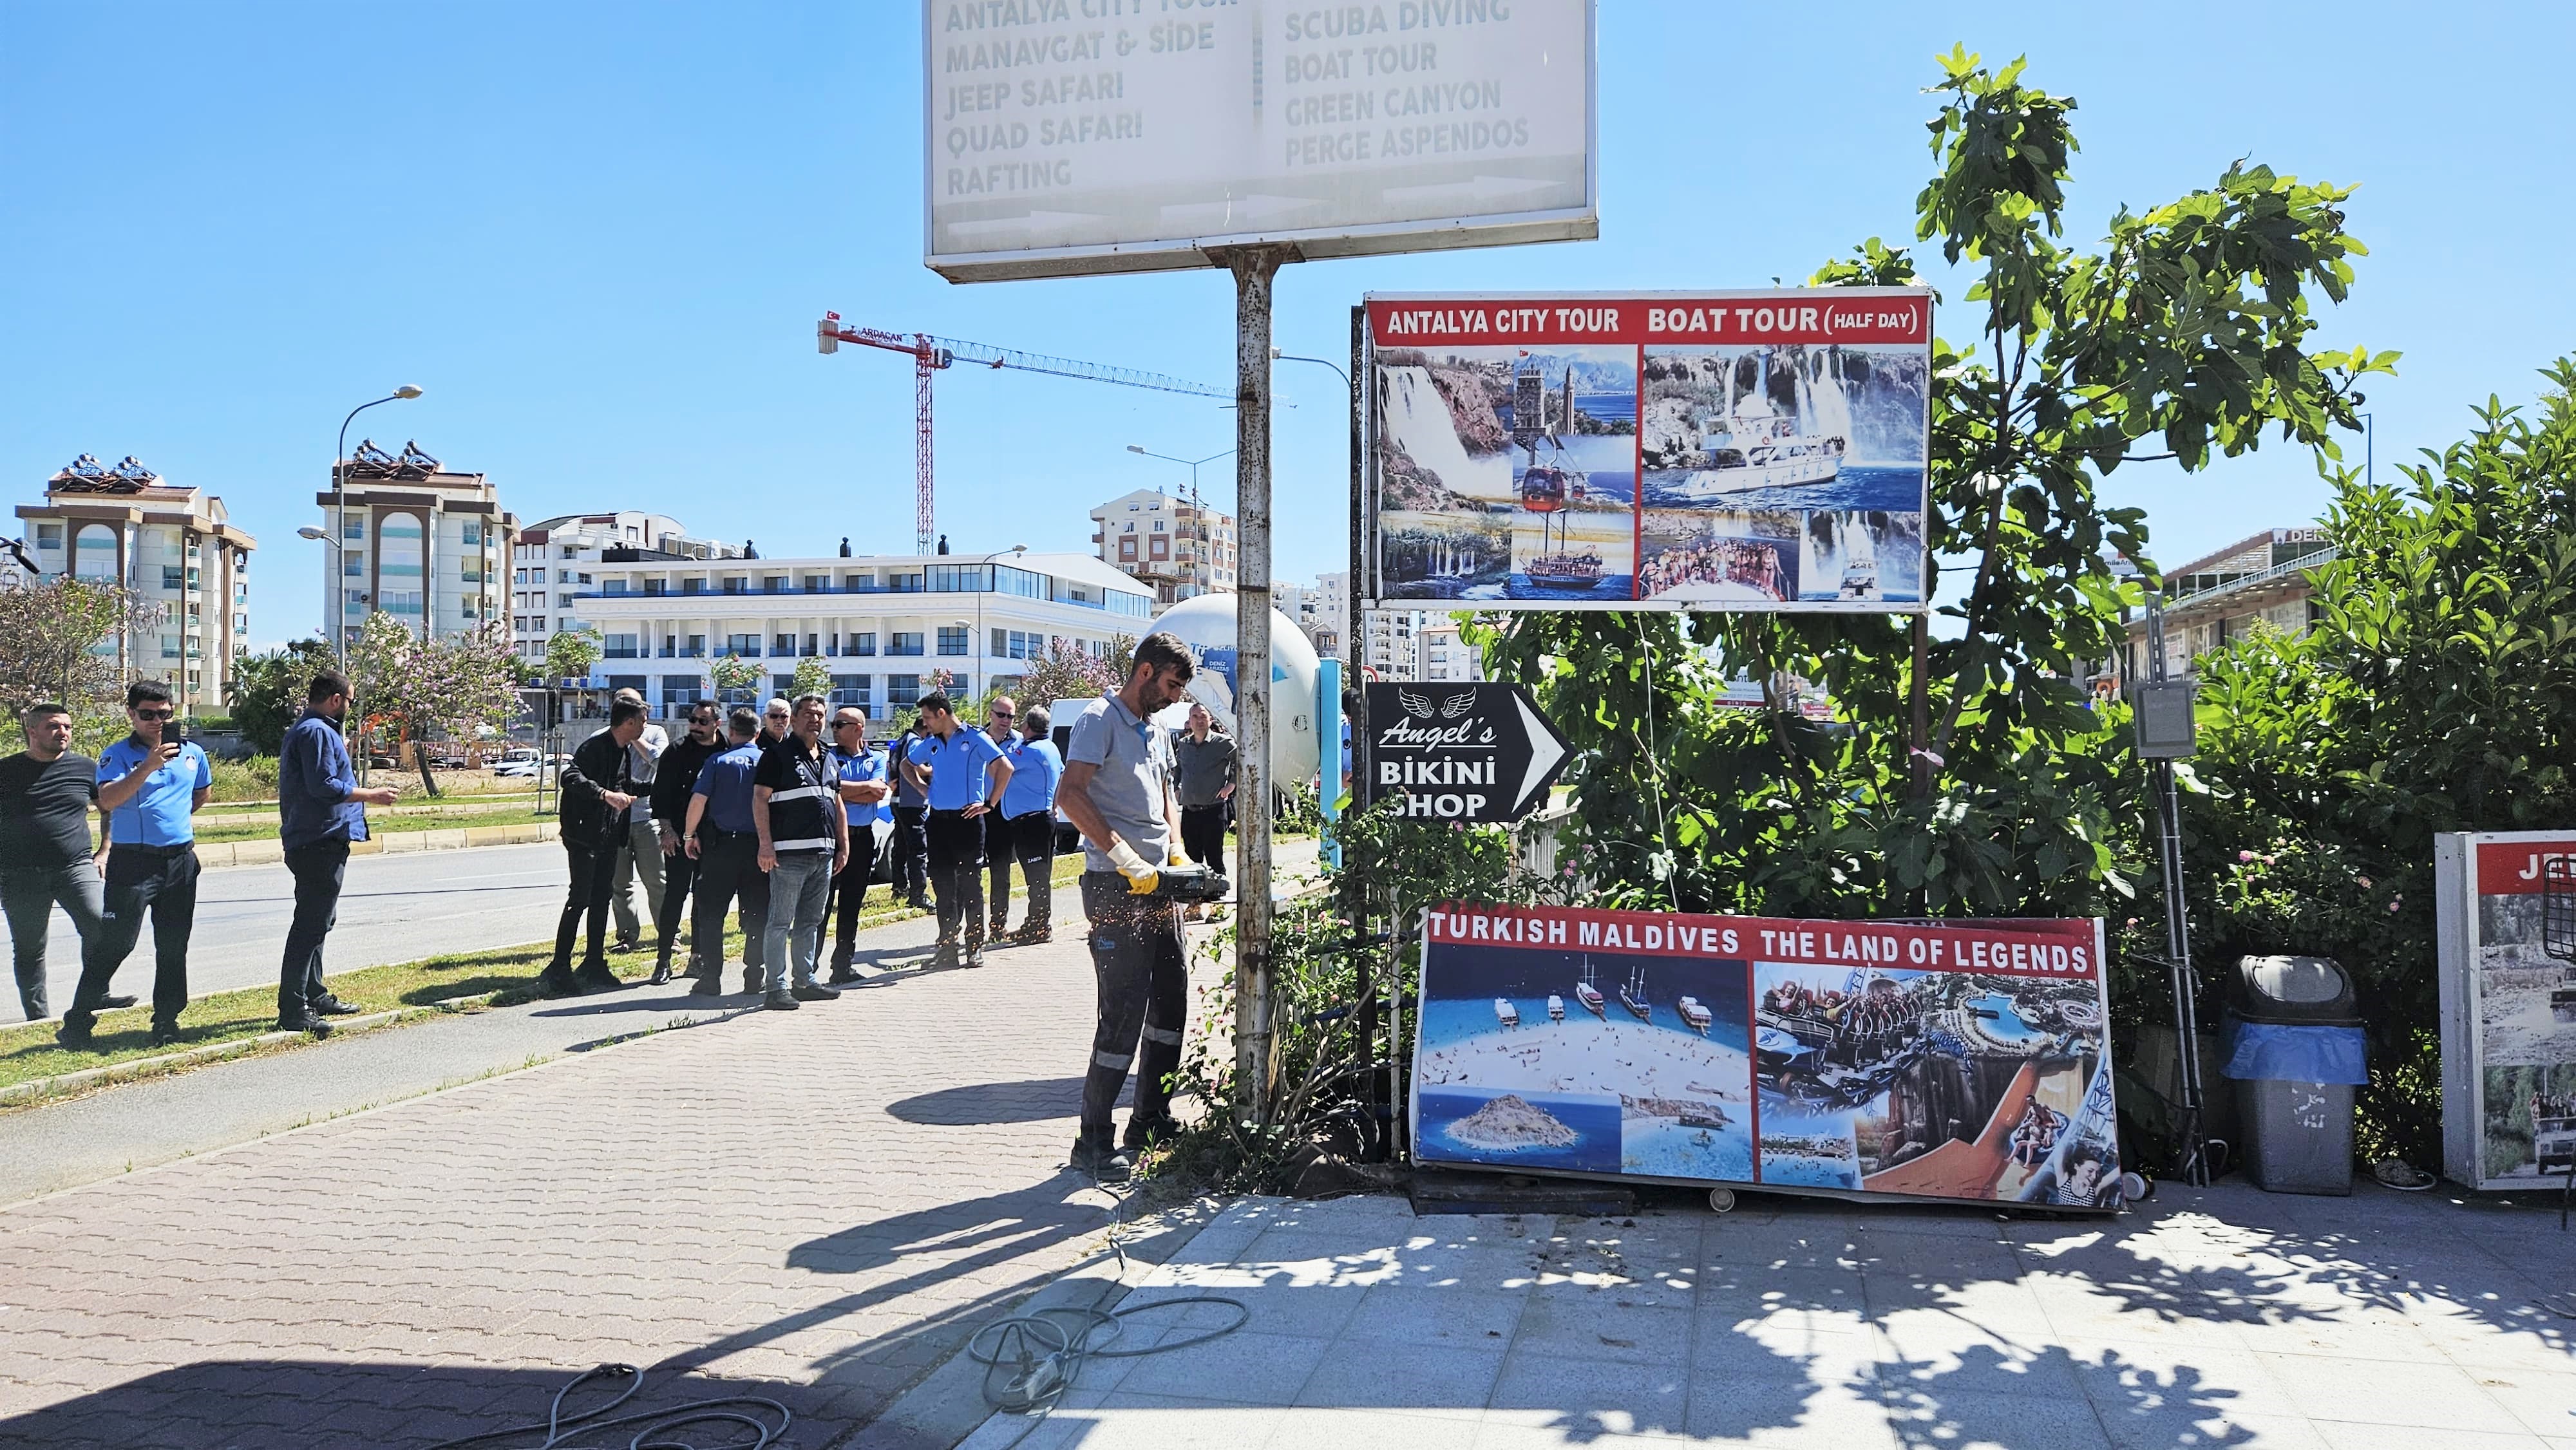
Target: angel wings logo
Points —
{"points": [[1419, 705]]}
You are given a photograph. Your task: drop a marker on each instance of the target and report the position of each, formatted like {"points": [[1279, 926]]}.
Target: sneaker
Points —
{"points": [[557, 981], [813, 992], [752, 977], [596, 977], [1104, 1163], [165, 1034], [1144, 1132], [1035, 936], [845, 976], [782, 1002], [331, 1006]]}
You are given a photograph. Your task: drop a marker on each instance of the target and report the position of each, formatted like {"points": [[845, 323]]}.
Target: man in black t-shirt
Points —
{"points": [[45, 797]]}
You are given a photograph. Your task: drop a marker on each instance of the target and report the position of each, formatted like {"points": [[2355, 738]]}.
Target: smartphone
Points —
{"points": [[179, 730]]}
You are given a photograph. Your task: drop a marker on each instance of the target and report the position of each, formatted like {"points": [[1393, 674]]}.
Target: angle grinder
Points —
{"points": [[1190, 883]]}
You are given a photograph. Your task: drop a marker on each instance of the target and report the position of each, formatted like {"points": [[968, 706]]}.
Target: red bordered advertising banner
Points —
{"points": [[1955, 1061], [2505, 933], [1699, 450]]}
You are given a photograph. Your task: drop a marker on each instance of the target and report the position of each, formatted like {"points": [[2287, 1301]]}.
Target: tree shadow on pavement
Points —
{"points": [[1032, 1101]]}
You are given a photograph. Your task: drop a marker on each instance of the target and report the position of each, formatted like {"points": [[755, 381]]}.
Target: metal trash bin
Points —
{"points": [[2292, 1034]]}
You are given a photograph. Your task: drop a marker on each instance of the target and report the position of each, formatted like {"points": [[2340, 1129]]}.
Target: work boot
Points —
{"points": [[813, 992], [557, 981], [314, 1025], [1105, 1163], [945, 955], [781, 1001], [1144, 1132], [77, 1039], [844, 975], [752, 978], [706, 987], [165, 1034], [596, 977]]}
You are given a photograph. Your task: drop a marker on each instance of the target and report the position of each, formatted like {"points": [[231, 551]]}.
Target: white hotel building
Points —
{"points": [[880, 624]]}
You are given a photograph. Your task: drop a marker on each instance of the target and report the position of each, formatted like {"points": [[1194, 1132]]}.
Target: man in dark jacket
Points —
{"points": [[674, 778], [597, 788]]}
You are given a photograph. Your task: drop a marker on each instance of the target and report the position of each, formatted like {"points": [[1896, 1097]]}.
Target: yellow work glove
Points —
{"points": [[1177, 858], [1141, 878]]}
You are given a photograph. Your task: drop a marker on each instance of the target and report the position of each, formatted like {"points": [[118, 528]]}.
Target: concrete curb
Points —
{"points": [[946, 1405], [454, 838], [145, 1066]]}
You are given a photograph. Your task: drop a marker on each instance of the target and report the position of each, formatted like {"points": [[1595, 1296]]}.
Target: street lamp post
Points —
{"points": [[340, 517], [1195, 505], [975, 646], [338, 550]]}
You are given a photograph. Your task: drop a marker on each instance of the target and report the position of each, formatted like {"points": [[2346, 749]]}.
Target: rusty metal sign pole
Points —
{"points": [[1256, 1046]]}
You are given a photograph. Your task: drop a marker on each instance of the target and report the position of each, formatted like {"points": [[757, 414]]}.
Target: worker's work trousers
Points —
{"points": [[957, 877], [1032, 845], [642, 857], [1143, 973]]}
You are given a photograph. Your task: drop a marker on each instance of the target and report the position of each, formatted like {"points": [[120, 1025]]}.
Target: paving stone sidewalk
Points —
{"points": [[816, 1207], [2214, 1319]]}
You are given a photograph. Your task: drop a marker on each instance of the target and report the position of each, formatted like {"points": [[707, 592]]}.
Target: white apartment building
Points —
{"points": [[421, 542], [174, 549], [883, 625], [1441, 655], [1329, 605], [551, 565], [1181, 548]]}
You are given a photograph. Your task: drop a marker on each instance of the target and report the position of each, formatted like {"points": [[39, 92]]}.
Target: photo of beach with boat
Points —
{"points": [[1642, 1063], [1972, 1085], [1542, 440]]}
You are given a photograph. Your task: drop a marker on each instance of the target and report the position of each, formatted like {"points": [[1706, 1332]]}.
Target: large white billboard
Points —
{"points": [[1074, 136]]}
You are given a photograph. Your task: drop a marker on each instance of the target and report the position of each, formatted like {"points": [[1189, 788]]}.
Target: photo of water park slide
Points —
{"points": [[1933, 1084], [1746, 559], [1658, 1043]]}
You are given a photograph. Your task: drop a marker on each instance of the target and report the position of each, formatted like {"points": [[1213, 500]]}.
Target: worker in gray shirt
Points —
{"points": [[1205, 755], [1118, 791]]}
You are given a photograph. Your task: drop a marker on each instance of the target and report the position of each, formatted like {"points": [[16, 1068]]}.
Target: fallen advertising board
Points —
{"points": [[1852, 1058], [1074, 136], [2508, 981], [1702, 450]]}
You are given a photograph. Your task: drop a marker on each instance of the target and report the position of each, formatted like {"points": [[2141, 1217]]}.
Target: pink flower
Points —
{"points": [[2392, 905], [2243, 856], [2271, 860], [2365, 882]]}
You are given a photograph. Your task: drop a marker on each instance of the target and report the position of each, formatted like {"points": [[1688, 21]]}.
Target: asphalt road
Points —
{"points": [[395, 908]]}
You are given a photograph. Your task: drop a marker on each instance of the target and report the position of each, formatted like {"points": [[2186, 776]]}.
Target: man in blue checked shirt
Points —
{"points": [[864, 788], [149, 785]]}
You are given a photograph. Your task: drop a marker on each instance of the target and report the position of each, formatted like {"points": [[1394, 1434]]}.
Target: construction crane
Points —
{"points": [[929, 354]]}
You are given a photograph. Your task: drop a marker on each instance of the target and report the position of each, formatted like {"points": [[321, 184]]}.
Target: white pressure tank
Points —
{"points": [[1206, 625]]}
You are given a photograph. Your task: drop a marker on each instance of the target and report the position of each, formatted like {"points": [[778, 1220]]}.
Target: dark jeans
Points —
{"points": [[910, 849], [850, 892], [1203, 834], [957, 876], [1144, 980], [1032, 844], [998, 856], [678, 874], [728, 867], [594, 870], [318, 869], [29, 897], [140, 879]]}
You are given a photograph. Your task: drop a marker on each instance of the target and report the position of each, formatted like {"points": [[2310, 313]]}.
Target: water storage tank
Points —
{"points": [[1206, 625]]}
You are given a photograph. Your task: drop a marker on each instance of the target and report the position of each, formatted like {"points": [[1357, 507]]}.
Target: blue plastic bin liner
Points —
{"points": [[2267, 1052]]}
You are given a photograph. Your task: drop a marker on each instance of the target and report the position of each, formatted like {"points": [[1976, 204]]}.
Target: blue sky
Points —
{"points": [[599, 236]]}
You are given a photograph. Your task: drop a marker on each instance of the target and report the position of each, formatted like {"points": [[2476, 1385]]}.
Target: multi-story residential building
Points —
{"points": [[552, 565], [1389, 646], [421, 542], [1329, 605], [1180, 547], [1441, 655], [883, 625], [2224, 595], [173, 547]]}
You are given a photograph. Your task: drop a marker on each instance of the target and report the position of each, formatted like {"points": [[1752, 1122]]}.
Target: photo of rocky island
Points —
{"points": [[1643, 1062]]}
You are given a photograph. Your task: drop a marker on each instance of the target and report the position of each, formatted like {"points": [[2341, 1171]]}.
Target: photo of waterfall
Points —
{"points": [[1863, 555], [1445, 556]]}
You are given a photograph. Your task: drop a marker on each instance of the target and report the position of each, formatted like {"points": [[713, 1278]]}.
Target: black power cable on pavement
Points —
{"points": [[654, 1428]]}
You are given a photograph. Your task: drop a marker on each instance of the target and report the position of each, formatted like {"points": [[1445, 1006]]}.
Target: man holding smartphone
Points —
{"points": [[149, 785]]}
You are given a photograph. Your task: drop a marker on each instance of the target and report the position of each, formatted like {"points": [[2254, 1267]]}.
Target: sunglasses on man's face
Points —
{"points": [[154, 714]]}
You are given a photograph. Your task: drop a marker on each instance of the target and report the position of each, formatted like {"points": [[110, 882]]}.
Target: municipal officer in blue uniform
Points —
{"points": [[864, 789], [149, 784], [720, 836], [1028, 810], [962, 773]]}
